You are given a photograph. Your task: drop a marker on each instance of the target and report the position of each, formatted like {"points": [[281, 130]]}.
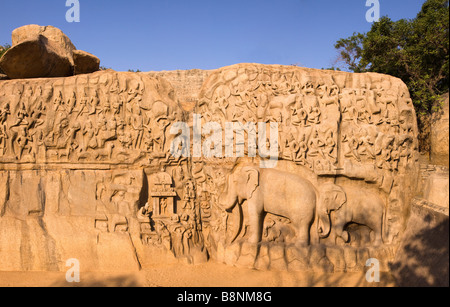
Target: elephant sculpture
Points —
{"points": [[271, 191], [349, 207]]}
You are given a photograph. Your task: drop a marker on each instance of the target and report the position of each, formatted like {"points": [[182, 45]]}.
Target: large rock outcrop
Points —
{"points": [[101, 168], [43, 52]]}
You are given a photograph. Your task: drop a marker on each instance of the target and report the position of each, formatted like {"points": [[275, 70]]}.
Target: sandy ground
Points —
{"points": [[206, 275]]}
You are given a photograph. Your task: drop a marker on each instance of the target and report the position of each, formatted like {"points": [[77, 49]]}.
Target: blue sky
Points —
{"points": [[205, 34]]}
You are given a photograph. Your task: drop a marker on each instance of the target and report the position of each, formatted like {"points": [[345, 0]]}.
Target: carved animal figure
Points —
{"points": [[349, 207], [105, 152], [271, 191]]}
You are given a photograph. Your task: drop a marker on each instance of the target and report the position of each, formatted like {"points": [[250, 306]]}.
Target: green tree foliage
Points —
{"points": [[3, 49], [350, 51], [415, 51]]}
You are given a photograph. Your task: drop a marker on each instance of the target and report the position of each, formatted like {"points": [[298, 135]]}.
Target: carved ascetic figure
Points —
{"points": [[272, 191], [349, 206]]}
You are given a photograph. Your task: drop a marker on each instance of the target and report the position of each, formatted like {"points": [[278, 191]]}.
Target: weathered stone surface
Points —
{"points": [[84, 62], [263, 260], [43, 52], [422, 258], [35, 58], [55, 35], [88, 163], [440, 134], [437, 189], [186, 84]]}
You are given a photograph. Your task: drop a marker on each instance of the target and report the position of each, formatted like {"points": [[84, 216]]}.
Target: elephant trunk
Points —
{"points": [[228, 198], [227, 203], [324, 225]]}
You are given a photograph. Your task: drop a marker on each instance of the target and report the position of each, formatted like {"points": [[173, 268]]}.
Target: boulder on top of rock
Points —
{"points": [[84, 62], [36, 58], [44, 51], [54, 35]]}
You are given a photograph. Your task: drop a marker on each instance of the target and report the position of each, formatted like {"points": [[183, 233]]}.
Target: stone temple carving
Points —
{"points": [[92, 155]]}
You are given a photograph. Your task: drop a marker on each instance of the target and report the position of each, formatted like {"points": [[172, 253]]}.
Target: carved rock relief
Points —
{"points": [[98, 118], [351, 137], [100, 144]]}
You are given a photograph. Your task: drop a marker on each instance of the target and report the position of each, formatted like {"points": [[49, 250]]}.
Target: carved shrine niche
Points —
{"points": [[162, 196]]}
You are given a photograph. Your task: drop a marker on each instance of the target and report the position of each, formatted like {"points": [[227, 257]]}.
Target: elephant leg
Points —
{"points": [[256, 223], [339, 228], [303, 238]]}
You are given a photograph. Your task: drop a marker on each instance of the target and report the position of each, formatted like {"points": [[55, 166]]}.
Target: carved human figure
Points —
{"points": [[367, 144], [383, 149], [316, 145], [261, 101], [189, 195], [71, 144], [405, 149], [137, 125], [314, 115], [159, 133], [28, 92], [348, 105], [328, 95], [4, 112], [36, 116], [116, 104], [330, 145], [292, 147], [303, 150], [38, 142], [21, 141], [352, 146], [90, 133], [83, 107], [124, 137], [205, 207], [299, 117], [106, 131], [22, 114], [164, 234], [71, 102], [59, 103], [94, 103], [163, 206], [3, 139], [310, 99]]}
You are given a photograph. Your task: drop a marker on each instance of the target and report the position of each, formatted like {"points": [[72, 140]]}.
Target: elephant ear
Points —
{"points": [[339, 198], [252, 178]]}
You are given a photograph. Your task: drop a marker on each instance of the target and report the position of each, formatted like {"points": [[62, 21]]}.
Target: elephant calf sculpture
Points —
{"points": [[349, 207], [272, 191]]}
